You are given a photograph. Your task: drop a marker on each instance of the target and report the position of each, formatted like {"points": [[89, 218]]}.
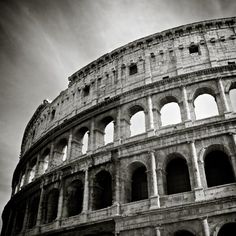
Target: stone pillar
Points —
{"points": [[185, 103], [196, 172], [40, 208], [68, 154], [86, 192], [150, 113], [60, 204], [223, 97], [155, 201], [27, 171], [98, 138], [25, 221], [125, 128], [50, 164], [205, 227], [117, 186], [161, 174], [37, 168], [157, 231], [198, 190], [91, 137], [117, 126]]}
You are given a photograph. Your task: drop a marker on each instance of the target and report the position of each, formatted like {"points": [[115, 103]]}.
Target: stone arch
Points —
{"points": [[137, 120], [33, 211], [228, 229], [44, 161], [105, 131], [60, 150], [218, 166], [32, 170], [137, 188], [204, 103], [51, 205], [202, 90], [74, 198], [20, 216], [82, 137], [102, 190], [183, 232], [166, 101], [177, 174]]}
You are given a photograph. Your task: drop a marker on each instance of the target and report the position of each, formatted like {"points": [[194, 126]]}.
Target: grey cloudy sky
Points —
{"points": [[42, 42]]}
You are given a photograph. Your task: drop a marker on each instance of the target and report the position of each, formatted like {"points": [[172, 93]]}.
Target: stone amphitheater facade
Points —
{"points": [[170, 180]]}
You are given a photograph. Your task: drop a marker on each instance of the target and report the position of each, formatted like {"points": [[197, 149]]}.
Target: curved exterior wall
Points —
{"points": [[176, 65]]}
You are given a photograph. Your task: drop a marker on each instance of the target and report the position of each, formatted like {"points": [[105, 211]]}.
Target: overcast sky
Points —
{"points": [[42, 42]]}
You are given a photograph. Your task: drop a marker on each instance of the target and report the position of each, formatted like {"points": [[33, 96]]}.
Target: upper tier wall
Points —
{"points": [[170, 53]]}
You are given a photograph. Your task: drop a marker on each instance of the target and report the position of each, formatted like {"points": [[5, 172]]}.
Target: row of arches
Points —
{"points": [[205, 105], [204, 101], [218, 171], [227, 229]]}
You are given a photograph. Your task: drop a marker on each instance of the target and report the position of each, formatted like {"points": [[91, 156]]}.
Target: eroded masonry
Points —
{"points": [[106, 158]]}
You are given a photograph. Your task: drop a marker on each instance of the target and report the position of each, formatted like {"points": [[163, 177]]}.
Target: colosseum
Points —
{"points": [[106, 158]]}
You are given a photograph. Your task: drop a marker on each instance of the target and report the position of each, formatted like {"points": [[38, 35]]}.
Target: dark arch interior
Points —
{"points": [[75, 198], [183, 233], [218, 169], [139, 189], [33, 211], [20, 215], [81, 132], [102, 190], [51, 205], [177, 176], [228, 230]]}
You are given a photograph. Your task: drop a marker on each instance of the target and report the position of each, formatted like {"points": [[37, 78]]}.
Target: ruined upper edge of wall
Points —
{"points": [[156, 38]]}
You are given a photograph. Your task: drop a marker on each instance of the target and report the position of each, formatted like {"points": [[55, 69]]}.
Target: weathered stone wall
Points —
{"points": [[159, 56], [106, 171]]}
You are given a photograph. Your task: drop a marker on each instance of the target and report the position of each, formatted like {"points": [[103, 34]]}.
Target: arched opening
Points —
{"points": [[183, 233], [32, 170], [74, 198], [137, 120], [109, 133], [170, 114], [44, 161], [82, 136], [85, 142], [51, 205], [205, 106], [20, 215], [33, 211], [232, 95], [139, 186], [53, 114], [102, 192], [22, 180], [61, 150], [228, 229], [137, 123], [177, 176], [218, 168]]}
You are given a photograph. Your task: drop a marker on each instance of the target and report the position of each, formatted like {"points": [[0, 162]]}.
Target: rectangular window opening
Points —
{"points": [[194, 49], [86, 90], [133, 69]]}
